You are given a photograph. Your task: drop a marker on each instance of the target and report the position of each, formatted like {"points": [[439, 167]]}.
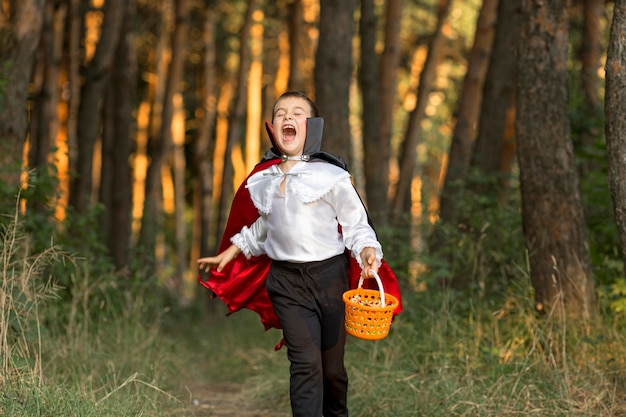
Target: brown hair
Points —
{"points": [[298, 94]]}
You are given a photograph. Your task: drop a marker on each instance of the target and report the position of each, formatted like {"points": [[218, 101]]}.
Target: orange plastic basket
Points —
{"points": [[369, 312]]}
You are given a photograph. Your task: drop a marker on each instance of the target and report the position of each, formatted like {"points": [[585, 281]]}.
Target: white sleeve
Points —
{"points": [[351, 214], [251, 240]]}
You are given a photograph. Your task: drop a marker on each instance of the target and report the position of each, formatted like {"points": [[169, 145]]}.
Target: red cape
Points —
{"points": [[241, 284]]}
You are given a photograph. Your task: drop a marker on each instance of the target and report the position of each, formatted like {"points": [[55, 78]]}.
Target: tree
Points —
{"points": [[202, 167], [157, 18], [615, 119], [552, 212], [174, 134], [162, 146], [468, 112], [591, 56], [375, 150], [72, 59], [237, 112], [20, 27], [297, 43], [379, 88], [117, 143], [498, 96], [44, 124], [402, 197], [333, 73], [89, 123]]}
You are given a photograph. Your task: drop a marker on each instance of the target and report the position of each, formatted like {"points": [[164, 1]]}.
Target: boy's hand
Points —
{"points": [[368, 259], [220, 260]]}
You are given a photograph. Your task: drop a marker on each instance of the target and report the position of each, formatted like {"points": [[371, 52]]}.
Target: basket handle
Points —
{"points": [[380, 286]]}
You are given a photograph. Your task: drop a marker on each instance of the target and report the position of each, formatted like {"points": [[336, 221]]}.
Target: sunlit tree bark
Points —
{"points": [[20, 27], [615, 120], [254, 94], [552, 209]]}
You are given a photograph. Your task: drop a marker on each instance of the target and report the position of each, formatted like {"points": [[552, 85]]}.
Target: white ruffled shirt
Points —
{"points": [[301, 224]]}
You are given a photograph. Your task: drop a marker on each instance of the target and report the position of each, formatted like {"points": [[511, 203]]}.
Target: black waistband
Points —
{"points": [[312, 266]]}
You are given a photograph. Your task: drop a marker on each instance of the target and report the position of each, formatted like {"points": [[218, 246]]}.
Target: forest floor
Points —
{"points": [[227, 399]]}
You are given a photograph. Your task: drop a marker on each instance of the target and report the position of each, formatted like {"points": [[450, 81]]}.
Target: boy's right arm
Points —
{"points": [[220, 260]]}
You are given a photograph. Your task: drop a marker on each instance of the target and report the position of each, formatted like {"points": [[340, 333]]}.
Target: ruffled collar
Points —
{"points": [[308, 181]]}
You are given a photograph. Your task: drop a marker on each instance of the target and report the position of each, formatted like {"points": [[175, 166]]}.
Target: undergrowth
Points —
{"points": [[502, 362], [110, 345], [444, 360]]}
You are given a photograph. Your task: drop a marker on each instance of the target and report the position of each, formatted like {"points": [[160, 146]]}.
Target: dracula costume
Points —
{"points": [[300, 252]]}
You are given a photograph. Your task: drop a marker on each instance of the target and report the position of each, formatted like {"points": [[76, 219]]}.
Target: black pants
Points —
{"points": [[307, 301]]}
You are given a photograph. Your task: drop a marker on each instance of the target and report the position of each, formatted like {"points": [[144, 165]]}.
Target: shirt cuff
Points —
{"points": [[356, 252], [240, 242]]}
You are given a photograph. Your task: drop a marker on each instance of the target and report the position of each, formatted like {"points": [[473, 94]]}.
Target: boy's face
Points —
{"points": [[290, 114]]}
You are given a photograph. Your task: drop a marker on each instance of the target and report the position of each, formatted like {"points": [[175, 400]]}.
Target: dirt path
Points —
{"points": [[225, 400]]}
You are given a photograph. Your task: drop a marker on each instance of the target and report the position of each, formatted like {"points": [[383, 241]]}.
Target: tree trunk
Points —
{"points": [[236, 115], [89, 123], [20, 27], [203, 145], [498, 97], [169, 146], [468, 112], [591, 56], [297, 46], [277, 69], [370, 94], [333, 74], [44, 124], [67, 154], [254, 94], [182, 280], [379, 89], [615, 119], [116, 188], [552, 209], [44, 120], [402, 197], [154, 149]]}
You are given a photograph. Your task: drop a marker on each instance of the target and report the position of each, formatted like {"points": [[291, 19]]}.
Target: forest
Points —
{"points": [[487, 139]]}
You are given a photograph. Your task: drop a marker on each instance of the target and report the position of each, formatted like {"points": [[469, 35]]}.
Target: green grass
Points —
{"points": [[433, 363], [136, 366], [498, 363], [106, 350]]}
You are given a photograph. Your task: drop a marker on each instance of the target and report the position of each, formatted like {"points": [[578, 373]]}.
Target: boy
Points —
{"points": [[308, 215]]}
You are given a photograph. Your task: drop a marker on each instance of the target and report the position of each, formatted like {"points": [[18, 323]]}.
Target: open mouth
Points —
{"points": [[289, 133]]}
